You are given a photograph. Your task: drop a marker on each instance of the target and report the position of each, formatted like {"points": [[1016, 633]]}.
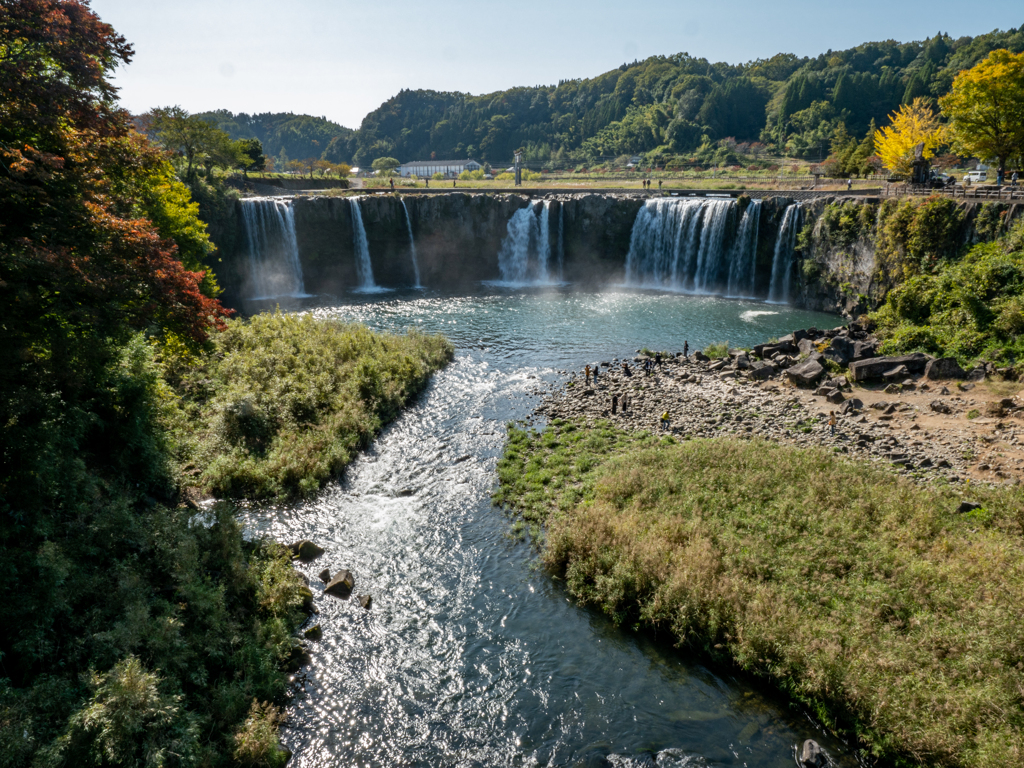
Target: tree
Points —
{"points": [[181, 132], [251, 152], [911, 125], [985, 109], [342, 170], [385, 166]]}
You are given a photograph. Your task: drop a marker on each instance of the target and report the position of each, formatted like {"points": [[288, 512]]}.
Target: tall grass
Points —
{"points": [[864, 595], [284, 402]]}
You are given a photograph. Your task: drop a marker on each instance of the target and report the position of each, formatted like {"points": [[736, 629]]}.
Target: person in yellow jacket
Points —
{"points": [[665, 421]]}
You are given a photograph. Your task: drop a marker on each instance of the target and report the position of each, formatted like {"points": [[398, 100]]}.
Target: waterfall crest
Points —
{"points": [[525, 255], [364, 269], [412, 245], [782, 261], [274, 267]]}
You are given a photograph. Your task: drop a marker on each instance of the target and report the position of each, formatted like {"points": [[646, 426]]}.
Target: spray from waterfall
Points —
{"points": [[412, 245], [526, 250], [364, 269], [785, 248], [274, 267]]}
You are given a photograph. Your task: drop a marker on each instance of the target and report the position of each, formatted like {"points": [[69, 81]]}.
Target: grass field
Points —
{"points": [[864, 595]]}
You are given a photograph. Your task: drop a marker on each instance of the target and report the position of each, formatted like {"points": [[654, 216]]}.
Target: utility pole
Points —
{"points": [[518, 169]]}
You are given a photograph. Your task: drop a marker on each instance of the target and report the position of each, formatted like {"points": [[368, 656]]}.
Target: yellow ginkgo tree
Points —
{"points": [[985, 109], [910, 125]]}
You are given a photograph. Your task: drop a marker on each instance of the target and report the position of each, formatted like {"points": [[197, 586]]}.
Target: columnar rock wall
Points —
{"points": [[459, 236]]}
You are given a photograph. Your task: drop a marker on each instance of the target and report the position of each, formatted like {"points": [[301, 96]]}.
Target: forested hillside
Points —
{"points": [[668, 105], [296, 136]]}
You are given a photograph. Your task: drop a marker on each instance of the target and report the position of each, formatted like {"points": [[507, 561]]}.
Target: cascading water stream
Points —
{"points": [[561, 242], [743, 262], [364, 269], [274, 267], [526, 250], [782, 261], [412, 246]]}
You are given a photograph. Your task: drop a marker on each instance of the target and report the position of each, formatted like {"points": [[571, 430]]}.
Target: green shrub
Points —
{"points": [[718, 350], [283, 402]]}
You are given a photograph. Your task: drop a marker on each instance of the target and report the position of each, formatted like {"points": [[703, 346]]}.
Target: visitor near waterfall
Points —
{"points": [[587, 372], [832, 422], [686, 349], [615, 404], [665, 421]]}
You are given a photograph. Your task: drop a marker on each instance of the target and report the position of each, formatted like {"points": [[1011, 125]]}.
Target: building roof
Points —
{"points": [[424, 163]]}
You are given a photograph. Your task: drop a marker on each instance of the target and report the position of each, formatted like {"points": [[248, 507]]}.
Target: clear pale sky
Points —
{"points": [[342, 59]]}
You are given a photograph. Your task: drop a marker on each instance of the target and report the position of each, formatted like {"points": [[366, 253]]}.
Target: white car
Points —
{"points": [[975, 177]]}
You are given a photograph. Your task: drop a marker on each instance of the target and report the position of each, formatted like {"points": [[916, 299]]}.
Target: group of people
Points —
{"points": [[647, 184]]}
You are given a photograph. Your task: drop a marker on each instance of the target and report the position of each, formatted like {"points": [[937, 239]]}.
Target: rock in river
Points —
{"points": [[341, 585], [306, 550]]}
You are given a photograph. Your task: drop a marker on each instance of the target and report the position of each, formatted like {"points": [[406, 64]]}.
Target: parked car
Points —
{"points": [[975, 177]]}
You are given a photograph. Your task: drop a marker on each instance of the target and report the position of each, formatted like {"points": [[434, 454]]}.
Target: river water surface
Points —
{"points": [[471, 655]]}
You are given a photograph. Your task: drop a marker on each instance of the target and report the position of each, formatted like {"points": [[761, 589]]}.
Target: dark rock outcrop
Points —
{"points": [[876, 367]]}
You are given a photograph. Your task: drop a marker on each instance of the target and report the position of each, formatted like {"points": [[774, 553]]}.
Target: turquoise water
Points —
{"points": [[472, 655]]}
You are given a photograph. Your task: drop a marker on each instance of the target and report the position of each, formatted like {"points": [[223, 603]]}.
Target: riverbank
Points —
{"points": [[868, 574], [283, 402]]}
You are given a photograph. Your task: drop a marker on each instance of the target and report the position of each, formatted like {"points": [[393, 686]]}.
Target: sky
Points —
{"points": [[341, 59]]}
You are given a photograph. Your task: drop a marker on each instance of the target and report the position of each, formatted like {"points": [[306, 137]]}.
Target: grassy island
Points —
{"points": [[283, 402], [865, 596]]}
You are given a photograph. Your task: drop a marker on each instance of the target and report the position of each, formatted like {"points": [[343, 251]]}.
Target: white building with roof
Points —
{"points": [[427, 168]]}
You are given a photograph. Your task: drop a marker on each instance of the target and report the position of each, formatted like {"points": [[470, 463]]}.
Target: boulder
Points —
{"points": [[785, 348], [852, 405], [761, 371], [742, 361], [940, 406], [942, 368], [862, 350], [798, 335], [806, 347], [967, 506], [840, 350], [314, 633], [898, 373], [365, 600], [811, 755], [978, 374], [700, 357], [325, 576], [806, 373], [875, 367], [717, 365], [835, 397], [307, 599], [341, 585], [306, 550]]}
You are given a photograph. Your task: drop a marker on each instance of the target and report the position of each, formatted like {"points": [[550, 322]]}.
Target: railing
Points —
{"points": [[978, 192]]}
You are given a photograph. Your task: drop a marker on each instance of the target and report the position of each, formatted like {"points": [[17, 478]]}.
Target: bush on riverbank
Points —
{"points": [[965, 309], [284, 401], [862, 594]]}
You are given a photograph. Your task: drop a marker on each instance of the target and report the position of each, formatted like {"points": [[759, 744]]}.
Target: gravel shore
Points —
{"points": [[957, 431]]}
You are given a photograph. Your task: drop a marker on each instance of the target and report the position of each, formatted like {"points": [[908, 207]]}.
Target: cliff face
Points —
{"points": [[853, 251], [850, 252]]}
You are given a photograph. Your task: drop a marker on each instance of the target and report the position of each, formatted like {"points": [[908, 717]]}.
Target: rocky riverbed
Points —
{"points": [[904, 412]]}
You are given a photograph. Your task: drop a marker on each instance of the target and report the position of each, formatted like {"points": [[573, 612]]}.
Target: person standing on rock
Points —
{"points": [[587, 371], [832, 422], [657, 358], [665, 421], [686, 349], [625, 370], [597, 369], [615, 404], [426, 183]]}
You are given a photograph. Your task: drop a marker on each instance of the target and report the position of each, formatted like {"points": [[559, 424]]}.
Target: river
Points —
{"points": [[471, 655]]}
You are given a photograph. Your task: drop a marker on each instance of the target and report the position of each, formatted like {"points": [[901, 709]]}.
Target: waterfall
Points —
{"points": [[412, 245], [561, 241], [716, 215], [782, 261], [526, 250], [677, 244], [274, 267], [364, 269], [743, 262]]}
